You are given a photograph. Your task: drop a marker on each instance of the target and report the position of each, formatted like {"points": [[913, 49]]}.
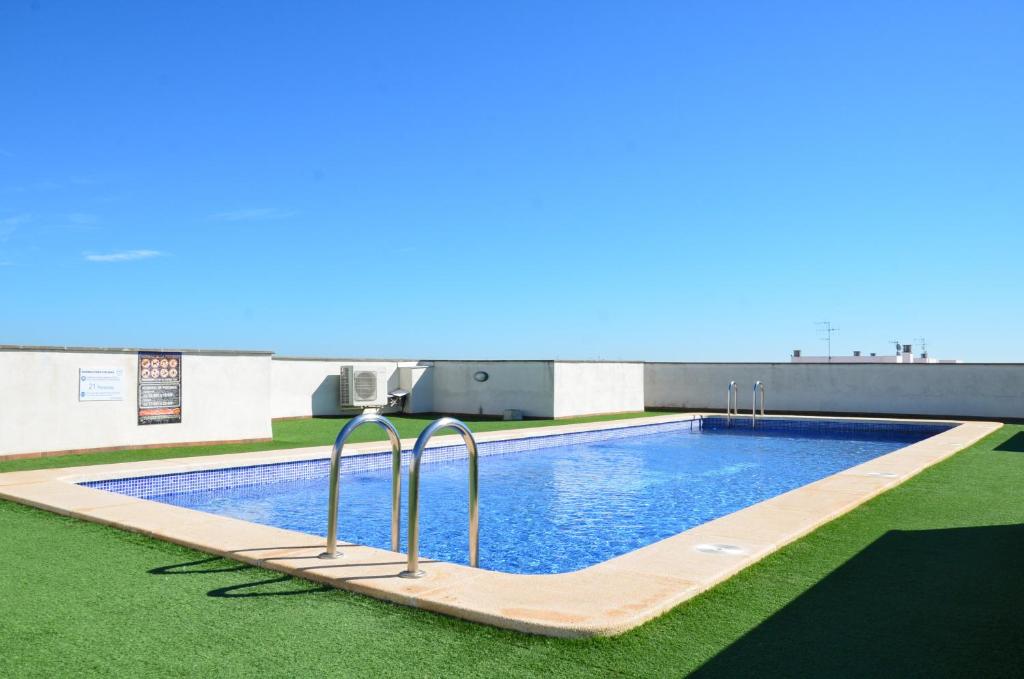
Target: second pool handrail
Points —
{"points": [[758, 386], [413, 534], [732, 402]]}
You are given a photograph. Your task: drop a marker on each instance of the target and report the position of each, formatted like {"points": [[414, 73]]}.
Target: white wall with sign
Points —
{"points": [[42, 407]]}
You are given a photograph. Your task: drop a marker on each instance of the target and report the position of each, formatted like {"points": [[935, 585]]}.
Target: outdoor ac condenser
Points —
{"points": [[360, 388]]}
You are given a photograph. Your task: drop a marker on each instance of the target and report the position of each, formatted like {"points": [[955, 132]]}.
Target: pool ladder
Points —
{"points": [[412, 566], [732, 408]]}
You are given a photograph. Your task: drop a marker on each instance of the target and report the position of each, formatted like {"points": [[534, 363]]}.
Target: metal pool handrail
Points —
{"points": [[396, 481], [732, 402], [413, 567], [753, 403]]}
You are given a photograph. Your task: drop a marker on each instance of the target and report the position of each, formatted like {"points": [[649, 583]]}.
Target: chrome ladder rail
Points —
{"points": [[732, 401], [413, 534], [396, 481], [759, 385]]}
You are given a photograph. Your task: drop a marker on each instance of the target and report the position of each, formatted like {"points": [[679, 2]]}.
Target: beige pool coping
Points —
{"points": [[602, 600]]}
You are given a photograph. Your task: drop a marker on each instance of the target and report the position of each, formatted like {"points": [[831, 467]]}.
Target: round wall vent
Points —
{"points": [[480, 376]]}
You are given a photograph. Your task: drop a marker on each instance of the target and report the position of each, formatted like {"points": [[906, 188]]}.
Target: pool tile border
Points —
{"points": [[250, 475], [152, 486], [605, 599]]}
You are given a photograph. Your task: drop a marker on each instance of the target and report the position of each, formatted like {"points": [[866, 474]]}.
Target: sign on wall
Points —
{"points": [[101, 384], [159, 387]]}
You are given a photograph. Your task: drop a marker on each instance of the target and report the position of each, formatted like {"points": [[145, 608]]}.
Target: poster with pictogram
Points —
{"points": [[159, 387]]}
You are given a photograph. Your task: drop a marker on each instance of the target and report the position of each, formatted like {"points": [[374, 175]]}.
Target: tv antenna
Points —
{"points": [[899, 346], [924, 346], [825, 331]]}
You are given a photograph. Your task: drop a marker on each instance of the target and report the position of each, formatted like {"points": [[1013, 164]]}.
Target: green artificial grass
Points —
{"points": [[924, 580], [299, 433]]}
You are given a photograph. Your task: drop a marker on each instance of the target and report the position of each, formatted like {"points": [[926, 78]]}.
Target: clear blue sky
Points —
{"points": [[661, 181]]}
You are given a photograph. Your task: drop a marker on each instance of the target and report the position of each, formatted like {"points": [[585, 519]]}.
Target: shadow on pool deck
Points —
{"points": [[914, 603]]}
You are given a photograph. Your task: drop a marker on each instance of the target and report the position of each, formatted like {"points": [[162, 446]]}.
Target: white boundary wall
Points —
{"points": [[225, 397], [598, 388], [521, 385], [308, 387], [538, 388], [233, 396], [953, 390]]}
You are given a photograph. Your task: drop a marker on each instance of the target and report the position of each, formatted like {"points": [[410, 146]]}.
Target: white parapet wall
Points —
{"points": [[537, 388], [990, 390], [308, 387], [594, 388], [234, 395], [225, 396], [459, 387]]}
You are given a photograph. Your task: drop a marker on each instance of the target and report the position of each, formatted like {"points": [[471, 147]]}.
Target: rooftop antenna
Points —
{"points": [[924, 346], [899, 346], [825, 331]]}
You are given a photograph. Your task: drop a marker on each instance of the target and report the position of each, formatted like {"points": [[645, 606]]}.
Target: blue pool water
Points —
{"points": [[559, 509]]}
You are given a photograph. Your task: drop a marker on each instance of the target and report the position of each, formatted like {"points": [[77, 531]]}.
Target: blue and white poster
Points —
{"points": [[101, 384]]}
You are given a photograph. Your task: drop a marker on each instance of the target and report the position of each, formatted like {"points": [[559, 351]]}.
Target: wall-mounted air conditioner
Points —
{"points": [[360, 388]]}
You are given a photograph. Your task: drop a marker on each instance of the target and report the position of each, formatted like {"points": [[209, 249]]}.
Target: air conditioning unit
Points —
{"points": [[360, 388]]}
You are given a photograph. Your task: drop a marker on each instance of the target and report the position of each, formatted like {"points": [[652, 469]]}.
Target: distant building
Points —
{"points": [[905, 356]]}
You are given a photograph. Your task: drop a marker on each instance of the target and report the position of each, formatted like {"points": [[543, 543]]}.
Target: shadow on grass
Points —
{"points": [[194, 567], [264, 588], [245, 590], [918, 603], [1014, 444]]}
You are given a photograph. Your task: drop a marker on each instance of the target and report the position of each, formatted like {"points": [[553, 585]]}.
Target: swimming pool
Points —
{"points": [[548, 504], [603, 599]]}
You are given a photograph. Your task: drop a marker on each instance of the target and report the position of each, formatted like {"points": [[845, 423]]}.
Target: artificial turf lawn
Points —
{"points": [[924, 580]]}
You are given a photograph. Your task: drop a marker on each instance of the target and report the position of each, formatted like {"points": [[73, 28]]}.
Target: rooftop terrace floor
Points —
{"points": [[922, 580]]}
